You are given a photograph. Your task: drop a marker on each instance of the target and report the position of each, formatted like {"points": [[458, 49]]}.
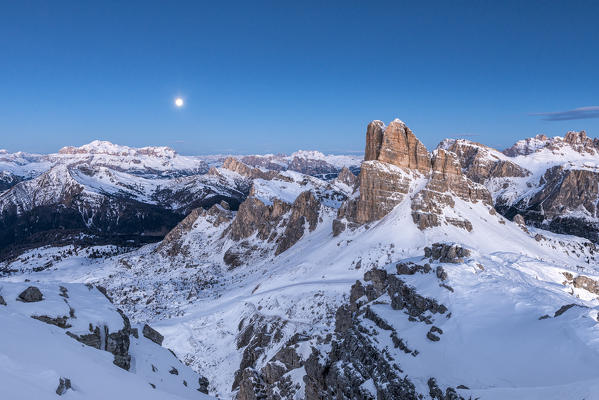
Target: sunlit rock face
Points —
{"points": [[394, 161]]}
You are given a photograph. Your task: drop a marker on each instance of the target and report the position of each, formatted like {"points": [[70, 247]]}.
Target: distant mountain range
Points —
{"points": [[118, 194]]}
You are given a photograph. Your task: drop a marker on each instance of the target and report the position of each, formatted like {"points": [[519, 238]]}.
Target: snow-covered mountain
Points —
{"points": [[551, 182], [118, 194], [407, 281]]}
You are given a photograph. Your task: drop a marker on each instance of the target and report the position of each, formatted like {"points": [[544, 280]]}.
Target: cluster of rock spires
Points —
{"points": [[394, 159]]}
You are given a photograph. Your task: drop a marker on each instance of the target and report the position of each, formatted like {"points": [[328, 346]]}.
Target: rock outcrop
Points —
{"points": [[152, 334], [577, 141], [382, 187], [279, 223], [233, 164], [64, 384], [347, 177], [256, 217], [304, 215], [257, 333], [31, 295], [393, 158], [586, 283], [216, 215], [446, 253], [480, 163], [356, 366], [116, 343], [446, 181], [397, 145]]}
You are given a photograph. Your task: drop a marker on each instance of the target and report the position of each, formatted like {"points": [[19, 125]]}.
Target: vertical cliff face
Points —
{"points": [[382, 187], [397, 145], [374, 140]]}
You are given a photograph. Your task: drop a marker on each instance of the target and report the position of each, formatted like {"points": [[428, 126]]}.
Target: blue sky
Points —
{"points": [[279, 76]]}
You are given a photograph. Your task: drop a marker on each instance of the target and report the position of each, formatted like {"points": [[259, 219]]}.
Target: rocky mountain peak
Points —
{"points": [[480, 162], [396, 144], [527, 146], [573, 137], [395, 159]]}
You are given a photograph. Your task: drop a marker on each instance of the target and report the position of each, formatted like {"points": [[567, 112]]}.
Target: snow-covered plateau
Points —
{"points": [[459, 273]]}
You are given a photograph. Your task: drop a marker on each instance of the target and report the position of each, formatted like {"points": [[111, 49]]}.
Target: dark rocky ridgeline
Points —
{"points": [[356, 356], [561, 190], [114, 221], [8, 180], [347, 362], [266, 221], [257, 334]]}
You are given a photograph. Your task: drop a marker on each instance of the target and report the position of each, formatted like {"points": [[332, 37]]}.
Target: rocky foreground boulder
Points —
{"points": [[152, 334], [31, 295]]}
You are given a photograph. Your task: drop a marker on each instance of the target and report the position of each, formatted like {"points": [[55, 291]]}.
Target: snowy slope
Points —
{"points": [[35, 355]]}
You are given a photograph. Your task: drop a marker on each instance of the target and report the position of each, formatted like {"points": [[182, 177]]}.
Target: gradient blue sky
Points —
{"points": [[279, 76]]}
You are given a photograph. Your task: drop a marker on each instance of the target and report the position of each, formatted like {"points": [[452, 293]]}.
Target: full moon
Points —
{"points": [[179, 102]]}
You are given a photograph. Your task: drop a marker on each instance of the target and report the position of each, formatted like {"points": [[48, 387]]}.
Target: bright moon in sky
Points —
{"points": [[179, 102]]}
